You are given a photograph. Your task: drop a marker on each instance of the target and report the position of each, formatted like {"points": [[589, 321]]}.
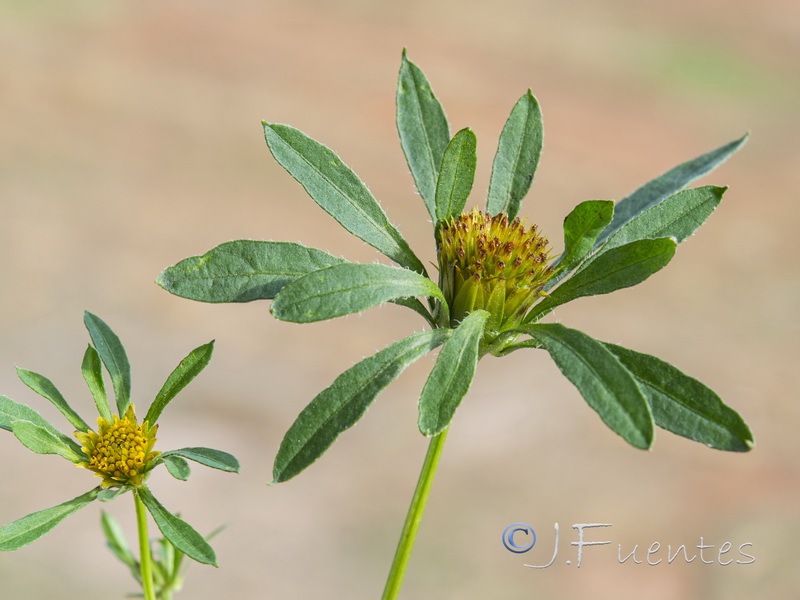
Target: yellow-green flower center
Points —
{"points": [[488, 262]]}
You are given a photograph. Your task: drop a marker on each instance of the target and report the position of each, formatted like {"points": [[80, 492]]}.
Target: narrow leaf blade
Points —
{"points": [[423, 128], [344, 402], [92, 370], [189, 368], [452, 375], [243, 271], [581, 228], [41, 441], [516, 158], [685, 406], [216, 459], [45, 388], [115, 539], [338, 191], [30, 528], [177, 467], [348, 288], [113, 355], [456, 175], [603, 381], [11, 411]]}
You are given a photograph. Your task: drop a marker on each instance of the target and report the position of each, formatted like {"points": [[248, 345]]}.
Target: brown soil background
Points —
{"points": [[131, 139]]}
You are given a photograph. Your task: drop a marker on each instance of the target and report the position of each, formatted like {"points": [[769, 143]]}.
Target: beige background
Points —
{"points": [[131, 139]]}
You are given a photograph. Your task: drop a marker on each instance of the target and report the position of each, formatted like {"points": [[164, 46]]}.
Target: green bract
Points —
{"points": [[487, 298], [120, 451]]}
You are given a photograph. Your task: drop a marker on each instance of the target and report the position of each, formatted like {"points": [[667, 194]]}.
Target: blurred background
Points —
{"points": [[131, 139]]}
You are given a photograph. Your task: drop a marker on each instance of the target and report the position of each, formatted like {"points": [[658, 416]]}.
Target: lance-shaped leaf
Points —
{"points": [[339, 191], [243, 271], [452, 374], [424, 132], [606, 385], [341, 405], [41, 441], [456, 175], [45, 388], [685, 406], [618, 268], [516, 158], [30, 528], [112, 353], [189, 368], [115, 539], [581, 228], [674, 180], [216, 459], [348, 288], [182, 535], [92, 369], [177, 467], [11, 411]]}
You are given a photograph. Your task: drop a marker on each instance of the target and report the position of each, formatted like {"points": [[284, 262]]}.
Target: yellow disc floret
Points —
{"points": [[120, 452]]}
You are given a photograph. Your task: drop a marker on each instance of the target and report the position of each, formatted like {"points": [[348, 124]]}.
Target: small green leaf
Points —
{"points": [[30, 528], [456, 175], [115, 540], [109, 494], [41, 441], [581, 228], [338, 191], [452, 375], [618, 268], [660, 188], [243, 271], [424, 132], [45, 388], [685, 406], [216, 459], [176, 466], [341, 405], [92, 370], [179, 532], [189, 368], [604, 382], [516, 158], [348, 288], [112, 353], [11, 411]]}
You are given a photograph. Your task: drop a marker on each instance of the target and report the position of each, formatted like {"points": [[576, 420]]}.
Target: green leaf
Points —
{"points": [[348, 288], [115, 540], [456, 175], [618, 268], [189, 368], [674, 180], [30, 528], [243, 271], [339, 191], [41, 441], [179, 532], [216, 459], [452, 374], [92, 370], [424, 132], [109, 494], [685, 406], [606, 385], [581, 228], [677, 216], [177, 467], [516, 158], [112, 353], [341, 405], [45, 388], [11, 411]]}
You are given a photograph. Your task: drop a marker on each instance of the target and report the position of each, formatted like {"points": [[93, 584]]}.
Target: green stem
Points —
{"points": [[414, 517], [145, 561]]}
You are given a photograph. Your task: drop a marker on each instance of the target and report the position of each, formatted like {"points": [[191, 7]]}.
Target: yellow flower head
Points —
{"points": [[488, 262], [120, 452]]}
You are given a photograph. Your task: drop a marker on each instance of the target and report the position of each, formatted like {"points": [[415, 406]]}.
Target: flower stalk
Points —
{"points": [[145, 559]]}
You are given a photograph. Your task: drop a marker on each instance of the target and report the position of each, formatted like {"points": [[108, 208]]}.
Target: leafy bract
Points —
{"points": [[41, 441], [348, 288], [177, 467], [685, 406], [424, 132], [45, 388], [243, 271], [23, 531], [338, 191], [189, 368], [92, 369], [456, 175], [516, 158], [216, 459], [113, 355], [606, 385], [452, 375], [581, 228], [11, 411], [341, 405]]}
